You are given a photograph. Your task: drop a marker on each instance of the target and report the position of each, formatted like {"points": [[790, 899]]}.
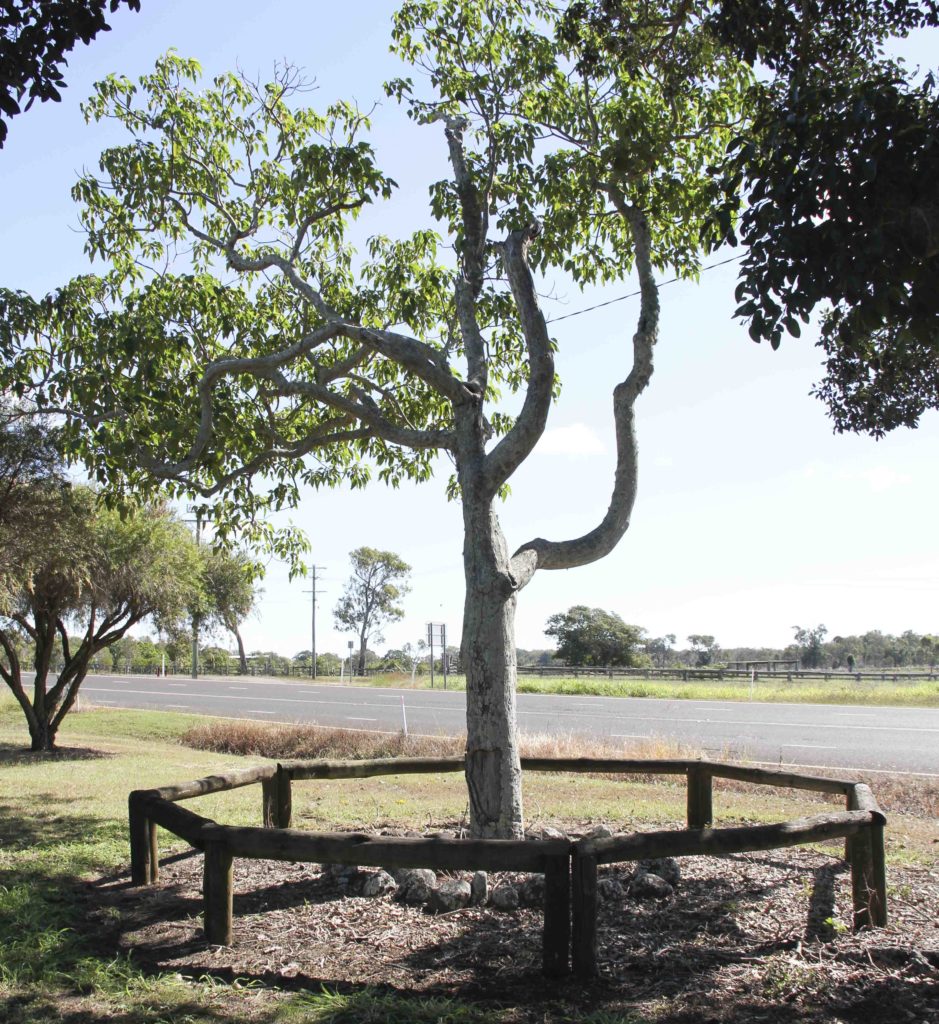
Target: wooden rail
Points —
{"points": [[569, 924]]}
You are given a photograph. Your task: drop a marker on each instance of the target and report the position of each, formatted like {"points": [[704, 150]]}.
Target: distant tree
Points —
{"points": [[592, 636], [35, 36], [659, 649], [372, 596], [811, 645], [88, 567], [704, 647], [229, 585]]}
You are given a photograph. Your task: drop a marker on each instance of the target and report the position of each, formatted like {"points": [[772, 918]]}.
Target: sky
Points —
{"points": [[752, 515]]}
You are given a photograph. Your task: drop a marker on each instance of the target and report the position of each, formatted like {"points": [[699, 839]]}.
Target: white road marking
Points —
{"points": [[630, 736], [350, 718], [237, 687], [251, 711], [805, 746], [177, 705]]}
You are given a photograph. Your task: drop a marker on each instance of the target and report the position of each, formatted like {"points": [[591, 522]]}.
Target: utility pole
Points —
{"points": [[314, 592]]}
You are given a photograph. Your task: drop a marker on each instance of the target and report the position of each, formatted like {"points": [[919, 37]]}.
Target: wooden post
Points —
{"points": [[584, 937], [284, 798], [865, 892], [557, 916], [269, 802], [700, 812], [878, 905], [139, 842], [154, 857], [217, 893]]}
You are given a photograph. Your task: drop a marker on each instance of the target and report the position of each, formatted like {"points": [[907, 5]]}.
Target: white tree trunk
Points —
{"points": [[493, 771]]}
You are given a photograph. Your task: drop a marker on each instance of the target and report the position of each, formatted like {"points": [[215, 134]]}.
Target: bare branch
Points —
{"points": [[517, 444], [544, 554]]}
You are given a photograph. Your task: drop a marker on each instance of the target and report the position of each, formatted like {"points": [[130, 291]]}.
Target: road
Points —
{"points": [[879, 739]]}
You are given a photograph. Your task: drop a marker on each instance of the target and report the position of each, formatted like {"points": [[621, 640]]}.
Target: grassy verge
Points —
{"points": [[63, 822], [778, 691]]}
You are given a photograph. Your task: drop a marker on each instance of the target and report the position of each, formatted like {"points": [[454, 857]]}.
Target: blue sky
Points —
{"points": [[752, 515]]}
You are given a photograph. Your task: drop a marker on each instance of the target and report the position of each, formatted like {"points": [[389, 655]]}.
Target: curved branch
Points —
{"points": [[544, 554], [472, 257], [517, 444]]}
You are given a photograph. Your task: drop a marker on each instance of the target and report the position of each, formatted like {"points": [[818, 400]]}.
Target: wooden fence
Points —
{"points": [[569, 867], [743, 675]]}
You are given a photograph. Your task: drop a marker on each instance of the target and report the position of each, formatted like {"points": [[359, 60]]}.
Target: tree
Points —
{"points": [[273, 343], [229, 589], [592, 636], [833, 174], [659, 649], [372, 596], [810, 642], [93, 568], [35, 36], [705, 648]]}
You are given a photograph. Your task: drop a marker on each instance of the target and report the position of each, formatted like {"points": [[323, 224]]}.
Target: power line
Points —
{"points": [[632, 295]]}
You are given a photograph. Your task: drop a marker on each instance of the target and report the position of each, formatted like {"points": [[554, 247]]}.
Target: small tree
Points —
{"points": [[371, 598], [704, 647], [229, 585], [96, 570], [810, 643], [591, 636]]}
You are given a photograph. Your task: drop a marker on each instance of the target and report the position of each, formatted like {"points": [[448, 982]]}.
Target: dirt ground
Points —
{"points": [[744, 938]]}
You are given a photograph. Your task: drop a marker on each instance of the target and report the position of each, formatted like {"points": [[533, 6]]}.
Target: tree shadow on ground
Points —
{"points": [[42, 823], [15, 754]]}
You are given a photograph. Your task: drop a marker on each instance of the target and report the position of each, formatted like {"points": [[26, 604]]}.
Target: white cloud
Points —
{"points": [[576, 439]]}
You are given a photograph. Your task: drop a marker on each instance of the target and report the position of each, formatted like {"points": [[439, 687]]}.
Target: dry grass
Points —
{"points": [[260, 739]]}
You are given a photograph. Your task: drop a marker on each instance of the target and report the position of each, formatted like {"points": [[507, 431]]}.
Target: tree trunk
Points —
{"points": [[42, 735], [493, 771], [363, 647], [242, 660]]}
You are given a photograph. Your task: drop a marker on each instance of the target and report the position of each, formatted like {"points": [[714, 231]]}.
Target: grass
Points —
{"points": [[814, 691], [63, 821]]}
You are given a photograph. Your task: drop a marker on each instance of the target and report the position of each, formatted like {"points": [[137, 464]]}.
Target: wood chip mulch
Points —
{"points": [[744, 938]]}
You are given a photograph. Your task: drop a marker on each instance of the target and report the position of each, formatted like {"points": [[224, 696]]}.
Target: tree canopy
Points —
{"points": [[35, 36]]}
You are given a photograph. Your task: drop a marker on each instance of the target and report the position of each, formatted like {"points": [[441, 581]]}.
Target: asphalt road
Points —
{"points": [[895, 740]]}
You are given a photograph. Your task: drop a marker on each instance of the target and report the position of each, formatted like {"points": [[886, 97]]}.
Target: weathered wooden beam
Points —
{"points": [[369, 768], [383, 851], [178, 820], [775, 777], [742, 839], [700, 800], [211, 784], [217, 893], [556, 942], [584, 916]]}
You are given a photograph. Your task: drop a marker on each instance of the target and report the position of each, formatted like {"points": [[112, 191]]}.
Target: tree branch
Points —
{"points": [[544, 554], [472, 257], [517, 444]]}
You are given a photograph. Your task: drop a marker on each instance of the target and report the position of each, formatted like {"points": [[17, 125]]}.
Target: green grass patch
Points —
{"points": [[775, 691]]}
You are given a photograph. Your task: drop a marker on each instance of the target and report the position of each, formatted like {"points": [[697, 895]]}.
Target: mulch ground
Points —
{"points": [[745, 938]]}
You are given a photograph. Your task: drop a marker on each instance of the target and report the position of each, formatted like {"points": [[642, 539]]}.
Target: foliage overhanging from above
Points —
{"points": [[832, 188], [35, 36]]}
